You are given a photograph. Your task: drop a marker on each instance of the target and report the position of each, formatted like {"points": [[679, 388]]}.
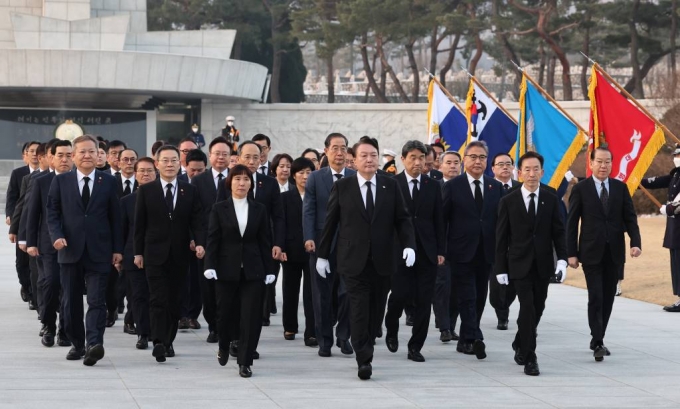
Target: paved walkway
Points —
{"points": [[642, 371]]}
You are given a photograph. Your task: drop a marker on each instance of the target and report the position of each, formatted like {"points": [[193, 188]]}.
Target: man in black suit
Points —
{"points": [[83, 217], [605, 211], [265, 143], [529, 227], [429, 168], [40, 246], [424, 202], [207, 184], [167, 218], [325, 291], [185, 146], [502, 296], [137, 287], [470, 212], [365, 210], [29, 153], [112, 156]]}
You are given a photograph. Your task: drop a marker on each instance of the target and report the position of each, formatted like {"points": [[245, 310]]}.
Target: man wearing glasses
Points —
{"points": [[470, 211], [265, 146], [185, 146], [113, 154]]}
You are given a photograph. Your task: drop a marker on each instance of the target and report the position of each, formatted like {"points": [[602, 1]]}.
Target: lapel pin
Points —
{"points": [[383, 186]]}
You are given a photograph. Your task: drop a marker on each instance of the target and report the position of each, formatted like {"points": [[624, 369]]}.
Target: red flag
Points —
{"points": [[632, 137]]}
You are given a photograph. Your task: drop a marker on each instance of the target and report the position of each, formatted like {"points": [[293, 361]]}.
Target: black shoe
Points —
{"points": [[25, 294], [74, 354], [288, 336], [31, 306], [380, 333], [212, 338], [273, 310], [183, 323], [365, 372], [233, 349], [111, 319], [415, 356], [673, 307], [94, 353], [142, 342], [409, 320], [121, 309], [519, 359], [324, 352], [446, 336], [158, 352], [454, 336], [311, 342], [502, 325], [48, 339], [194, 324], [392, 343], [345, 347], [599, 353], [42, 330], [244, 371], [62, 340], [531, 368], [606, 351], [130, 329], [265, 322], [464, 347], [170, 352], [222, 357], [256, 355], [479, 349]]}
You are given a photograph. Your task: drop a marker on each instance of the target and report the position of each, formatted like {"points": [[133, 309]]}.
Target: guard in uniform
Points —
{"points": [[231, 133], [389, 161], [671, 209]]}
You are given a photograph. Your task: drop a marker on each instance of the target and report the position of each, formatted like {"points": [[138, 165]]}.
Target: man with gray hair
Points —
{"points": [[470, 211]]}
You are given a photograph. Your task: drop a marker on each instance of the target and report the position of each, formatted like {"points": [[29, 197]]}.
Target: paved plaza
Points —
{"points": [[642, 371]]}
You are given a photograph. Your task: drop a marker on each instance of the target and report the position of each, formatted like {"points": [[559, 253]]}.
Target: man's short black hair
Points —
{"points": [[219, 139], [58, 143], [197, 155], [529, 155], [115, 144], [187, 139], [28, 145], [262, 137], [41, 150], [438, 145], [430, 150], [156, 145], [246, 143], [600, 148], [367, 140], [327, 142], [167, 148], [49, 144], [127, 149], [493, 162], [413, 145]]}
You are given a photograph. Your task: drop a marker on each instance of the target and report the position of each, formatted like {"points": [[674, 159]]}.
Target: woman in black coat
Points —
{"points": [[296, 259], [238, 257]]}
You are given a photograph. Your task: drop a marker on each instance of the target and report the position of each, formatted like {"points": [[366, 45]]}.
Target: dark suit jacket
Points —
{"points": [[671, 238], [294, 244], [227, 252], [466, 226], [127, 208], [435, 174], [156, 234], [207, 193], [599, 226], [519, 244], [359, 237], [14, 188], [96, 229], [317, 192], [37, 232], [119, 180], [426, 216], [17, 222]]}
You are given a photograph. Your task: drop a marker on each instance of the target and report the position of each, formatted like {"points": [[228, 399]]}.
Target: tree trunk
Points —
{"points": [[638, 92], [543, 19], [414, 70], [387, 67], [478, 42], [649, 63], [585, 48], [274, 91], [383, 77], [541, 65], [331, 79], [433, 49], [369, 72], [552, 61], [674, 33], [449, 61]]}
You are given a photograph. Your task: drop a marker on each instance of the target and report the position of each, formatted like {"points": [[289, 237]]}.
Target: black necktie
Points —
{"points": [[220, 177], [370, 206], [604, 196], [36, 171], [262, 170], [168, 197], [479, 199], [86, 191], [416, 192], [338, 176], [532, 209], [117, 173], [506, 187], [127, 189]]}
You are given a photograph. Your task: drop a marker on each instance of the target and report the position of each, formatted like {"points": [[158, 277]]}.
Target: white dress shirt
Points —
{"points": [[173, 182], [241, 209], [471, 181], [363, 188], [81, 181], [409, 181], [216, 176], [333, 173], [527, 198]]}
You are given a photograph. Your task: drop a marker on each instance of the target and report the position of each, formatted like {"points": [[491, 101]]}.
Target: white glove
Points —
{"points": [[561, 268], [662, 210], [569, 176], [410, 257], [210, 274], [323, 267], [502, 279], [269, 279]]}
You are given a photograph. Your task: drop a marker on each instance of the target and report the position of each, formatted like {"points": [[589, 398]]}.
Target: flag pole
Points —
{"points": [[472, 77], [445, 91]]}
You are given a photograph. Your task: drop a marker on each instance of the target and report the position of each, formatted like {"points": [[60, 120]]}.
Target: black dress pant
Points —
{"points": [[208, 298], [51, 291], [445, 302], [138, 299], [165, 284], [323, 295], [35, 290], [675, 271], [501, 297], [239, 301], [293, 273], [73, 277], [601, 280], [112, 293], [471, 281], [412, 283], [191, 296], [532, 291], [366, 294], [23, 270]]}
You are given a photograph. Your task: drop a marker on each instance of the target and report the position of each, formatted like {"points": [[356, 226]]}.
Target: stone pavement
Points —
{"points": [[641, 372]]}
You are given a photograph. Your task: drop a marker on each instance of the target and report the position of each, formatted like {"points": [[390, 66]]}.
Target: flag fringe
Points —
{"points": [[593, 107], [468, 108], [567, 160], [430, 103], [652, 147], [521, 147]]}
